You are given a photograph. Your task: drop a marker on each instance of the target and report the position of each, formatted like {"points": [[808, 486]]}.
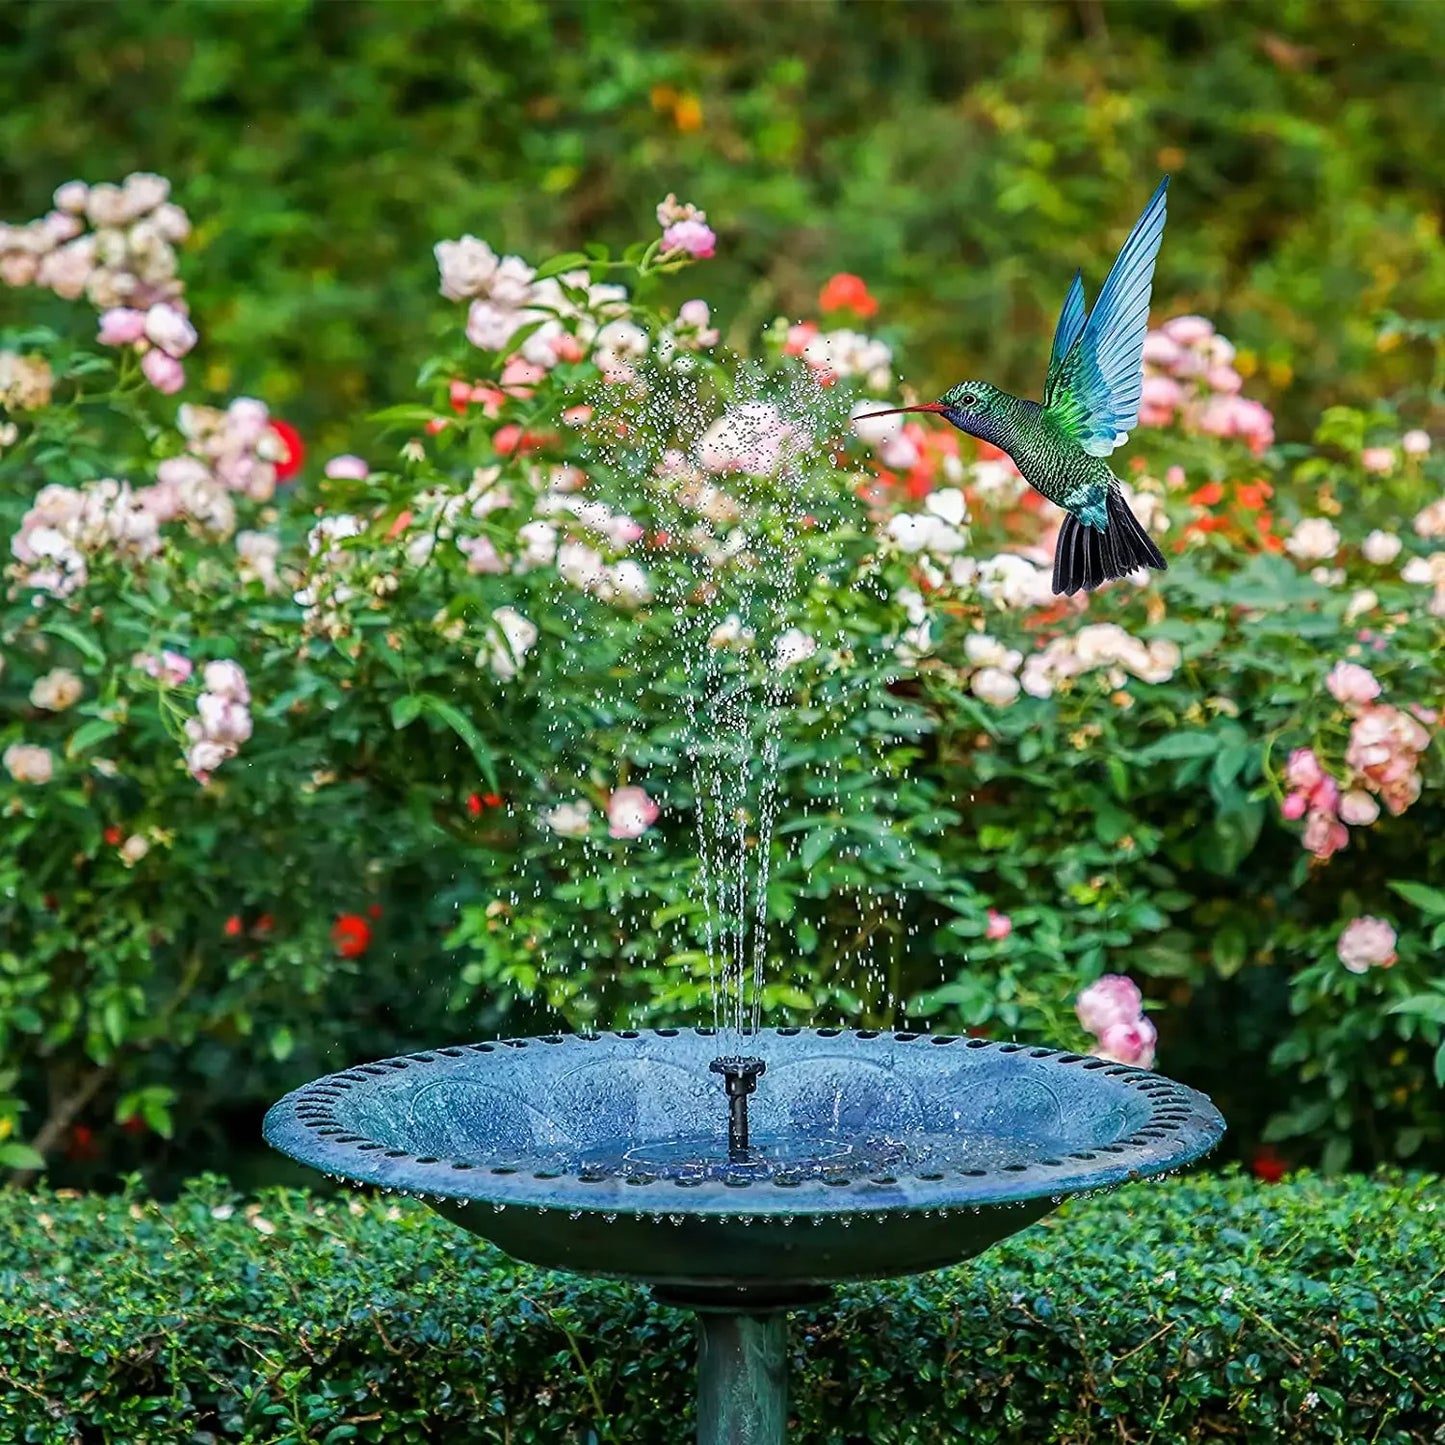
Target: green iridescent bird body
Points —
{"points": [[1051, 461], [1091, 400]]}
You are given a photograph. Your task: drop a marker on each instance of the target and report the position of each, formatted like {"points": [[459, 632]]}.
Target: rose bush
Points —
{"points": [[482, 673]]}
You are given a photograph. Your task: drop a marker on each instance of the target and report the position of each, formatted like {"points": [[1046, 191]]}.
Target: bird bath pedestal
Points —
{"points": [[819, 1156]]}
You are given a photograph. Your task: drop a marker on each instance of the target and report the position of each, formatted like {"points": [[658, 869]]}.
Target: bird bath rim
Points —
{"points": [[1166, 1126]]}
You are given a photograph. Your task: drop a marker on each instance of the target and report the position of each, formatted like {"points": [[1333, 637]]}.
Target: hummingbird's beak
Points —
{"points": [[895, 410]]}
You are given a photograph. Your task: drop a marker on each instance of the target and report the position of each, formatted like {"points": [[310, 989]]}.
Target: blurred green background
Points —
{"points": [[964, 158]]}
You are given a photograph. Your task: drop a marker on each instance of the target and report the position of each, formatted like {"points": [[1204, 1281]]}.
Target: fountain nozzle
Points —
{"points": [[740, 1078]]}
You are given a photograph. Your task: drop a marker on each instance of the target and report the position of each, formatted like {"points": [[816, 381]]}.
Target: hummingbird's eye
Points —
{"points": [[968, 398]]}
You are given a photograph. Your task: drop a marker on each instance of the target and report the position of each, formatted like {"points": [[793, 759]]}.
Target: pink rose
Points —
{"points": [[347, 468], [170, 668], [121, 326], [1303, 771], [1000, 925], [1224, 379], [1366, 943], [694, 237], [1324, 835], [1293, 807], [227, 679], [163, 372], [1350, 683], [1129, 1043], [1358, 808], [1380, 460], [168, 329], [1188, 330], [1161, 351], [1325, 796], [1113, 999], [630, 813]]}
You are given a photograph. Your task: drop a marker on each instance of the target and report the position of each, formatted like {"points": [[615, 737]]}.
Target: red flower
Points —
{"points": [[290, 463], [264, 924], [112, 835], [846, 292], [1267, 1165], [374, 911], [1209, 495], [491, 800], [351, 934], [134, 1125], [474, 804], [82, 1147], [232, 926], [1253, 495]]}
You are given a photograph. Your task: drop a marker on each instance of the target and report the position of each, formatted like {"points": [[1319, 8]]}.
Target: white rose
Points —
{"points": [[1314, 539], [1381, 548], [57, 690], [512, 637], [571, 820], [466, 266], [994, 685], [793, 646]]}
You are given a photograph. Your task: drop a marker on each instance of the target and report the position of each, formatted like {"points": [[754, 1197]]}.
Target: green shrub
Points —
{"points": [[958, 156], [465, 652], [1186, 1311]]}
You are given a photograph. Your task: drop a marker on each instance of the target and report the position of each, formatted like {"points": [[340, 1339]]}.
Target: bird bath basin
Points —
{"points": [[741, 1187]]}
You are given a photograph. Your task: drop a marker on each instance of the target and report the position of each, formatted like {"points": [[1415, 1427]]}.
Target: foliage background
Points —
{"points": [[964, 158]]}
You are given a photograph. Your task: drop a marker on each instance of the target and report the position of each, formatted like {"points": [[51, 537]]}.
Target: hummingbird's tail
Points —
{"points": [[1088, 556]]}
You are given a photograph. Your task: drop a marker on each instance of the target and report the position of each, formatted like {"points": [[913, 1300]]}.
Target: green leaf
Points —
{"points": [[90, 733], [465, 729], [567, 261], [14, 1155], [1430, 901], [1230, 948], [816, 846], [87, 646], [405, 710], [1429, 1006], [409, 414], [1179, 745]]}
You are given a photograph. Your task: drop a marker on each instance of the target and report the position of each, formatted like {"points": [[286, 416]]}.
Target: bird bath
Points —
{"points": [[744, 1186]]}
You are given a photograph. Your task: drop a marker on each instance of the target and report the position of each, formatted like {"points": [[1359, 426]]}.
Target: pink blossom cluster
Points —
{"points": [[1382, 758], [1189, 375], [1112, 1009], [114, 245], [222, 722], [691, 329], [841, 353], [1102, 647], [160, 335], [238, 446], [630, 812], [1366, 943], [505, 297], [68, 527], [685, 230], [753, 438]]}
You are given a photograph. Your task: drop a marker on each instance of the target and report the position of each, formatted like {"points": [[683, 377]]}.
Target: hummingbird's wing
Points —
{"points": [[1096, 370]]}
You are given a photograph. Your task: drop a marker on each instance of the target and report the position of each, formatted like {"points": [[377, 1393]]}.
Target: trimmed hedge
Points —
{"points": [[1191, 1310]]}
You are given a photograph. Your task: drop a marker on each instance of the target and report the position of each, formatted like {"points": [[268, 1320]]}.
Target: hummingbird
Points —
{"points": [[1091, 401]]}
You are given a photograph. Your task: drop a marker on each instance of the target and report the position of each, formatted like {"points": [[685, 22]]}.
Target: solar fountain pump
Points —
{"points": [[828, 1156]]}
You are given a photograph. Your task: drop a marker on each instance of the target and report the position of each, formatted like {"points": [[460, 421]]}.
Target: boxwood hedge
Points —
{"points": [[1204, 1309]]}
